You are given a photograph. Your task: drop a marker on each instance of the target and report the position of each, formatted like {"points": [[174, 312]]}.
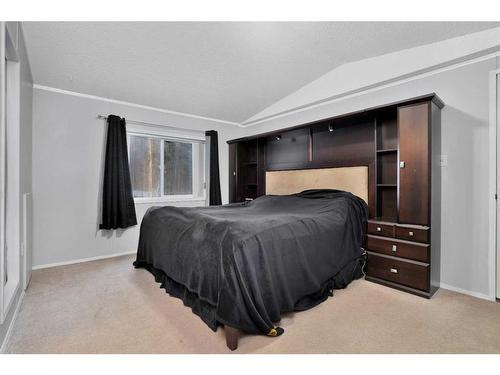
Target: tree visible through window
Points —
{"points": [[163, 167], [145, 160], [178, 168]]}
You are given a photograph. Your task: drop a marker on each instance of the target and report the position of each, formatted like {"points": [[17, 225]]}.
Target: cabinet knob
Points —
{"points": [[394, 270], [410, 234], [234, 173], [379, 229], [394, 248], [402, 164]]}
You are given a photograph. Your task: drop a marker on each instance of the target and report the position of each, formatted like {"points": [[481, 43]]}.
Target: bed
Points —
{"points": [[243, 265]]}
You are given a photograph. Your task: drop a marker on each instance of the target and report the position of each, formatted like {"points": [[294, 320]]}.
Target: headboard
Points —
{"points": [[353, 179]]}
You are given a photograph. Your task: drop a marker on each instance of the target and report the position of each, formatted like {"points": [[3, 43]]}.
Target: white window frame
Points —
{"points": [[197, 177]]}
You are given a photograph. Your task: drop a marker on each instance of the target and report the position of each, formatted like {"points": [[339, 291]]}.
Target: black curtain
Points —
{"points": [[118, 210], [214, 189]]}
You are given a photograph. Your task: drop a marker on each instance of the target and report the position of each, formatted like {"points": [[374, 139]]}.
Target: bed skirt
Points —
{"points": [[208, 312]]}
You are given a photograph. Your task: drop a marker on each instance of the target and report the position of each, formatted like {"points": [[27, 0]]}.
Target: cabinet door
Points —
{"points": [[232, 173], [414, 166]]}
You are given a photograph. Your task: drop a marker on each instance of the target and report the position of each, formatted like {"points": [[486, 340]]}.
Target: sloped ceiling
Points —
{"points": [[228, 71]]}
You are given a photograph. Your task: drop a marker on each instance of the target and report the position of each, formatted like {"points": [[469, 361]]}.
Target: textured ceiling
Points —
{"points": [[228, 71]]}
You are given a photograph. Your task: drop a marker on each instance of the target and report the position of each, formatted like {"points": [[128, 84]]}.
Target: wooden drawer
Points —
{"points": [[398, 248], [381, 228], [404, 272], [413, 233]]}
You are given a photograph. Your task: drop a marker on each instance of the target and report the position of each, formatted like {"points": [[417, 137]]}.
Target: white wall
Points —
{"points": [[68, 150], [465, 235]]}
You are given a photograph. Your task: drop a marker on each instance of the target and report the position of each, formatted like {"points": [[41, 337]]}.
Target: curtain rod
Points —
{"points": [[104, 117]]}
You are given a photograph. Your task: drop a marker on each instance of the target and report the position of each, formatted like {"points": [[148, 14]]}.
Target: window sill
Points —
{"points": [[168, 200]]}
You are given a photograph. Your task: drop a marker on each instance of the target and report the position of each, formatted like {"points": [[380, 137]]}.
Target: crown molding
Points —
{"points": [[129, 104]]}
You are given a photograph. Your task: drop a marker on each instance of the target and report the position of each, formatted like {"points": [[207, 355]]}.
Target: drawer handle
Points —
{"points": [[394, 270], [379, 229], [410, 234], [394, 248]]}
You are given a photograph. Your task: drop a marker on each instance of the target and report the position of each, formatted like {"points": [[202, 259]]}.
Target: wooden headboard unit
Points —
{"points": [[397, 143], [352, 179]]}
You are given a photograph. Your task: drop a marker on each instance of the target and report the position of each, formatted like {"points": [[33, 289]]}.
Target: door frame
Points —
{"points": [[494, 233], [2, 167]]}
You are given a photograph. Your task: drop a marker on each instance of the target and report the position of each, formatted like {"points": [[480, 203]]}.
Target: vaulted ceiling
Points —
{"points": [[223, 70]]}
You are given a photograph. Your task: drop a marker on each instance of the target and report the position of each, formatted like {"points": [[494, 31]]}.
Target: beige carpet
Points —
{"points": [[107, 306]]}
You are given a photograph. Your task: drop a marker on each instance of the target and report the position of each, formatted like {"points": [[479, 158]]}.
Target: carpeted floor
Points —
{"points": [[107, 306]]}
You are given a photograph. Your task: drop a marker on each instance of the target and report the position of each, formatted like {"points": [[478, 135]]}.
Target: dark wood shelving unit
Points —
{"points": [[248, 170], [386, 158], [403, 231]]}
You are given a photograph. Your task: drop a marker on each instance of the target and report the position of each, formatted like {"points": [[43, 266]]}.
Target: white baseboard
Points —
{"points": [[468, 292], [6, 339], [82, 260]]}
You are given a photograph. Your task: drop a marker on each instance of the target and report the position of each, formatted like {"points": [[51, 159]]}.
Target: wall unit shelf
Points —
{"points": [[386, 158], [387, 151], [247, 165]]}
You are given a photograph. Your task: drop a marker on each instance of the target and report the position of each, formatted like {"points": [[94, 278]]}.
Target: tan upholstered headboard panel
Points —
{"points": [[353, 179]]}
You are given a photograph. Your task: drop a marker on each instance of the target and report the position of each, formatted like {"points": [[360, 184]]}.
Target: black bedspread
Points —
{"points": [[245, 264]]}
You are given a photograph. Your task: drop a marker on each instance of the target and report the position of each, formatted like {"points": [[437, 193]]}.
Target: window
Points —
{"points": [[166, 168]]}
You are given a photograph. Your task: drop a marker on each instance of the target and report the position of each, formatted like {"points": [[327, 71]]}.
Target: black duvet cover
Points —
{"points": [[245, 264]]}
